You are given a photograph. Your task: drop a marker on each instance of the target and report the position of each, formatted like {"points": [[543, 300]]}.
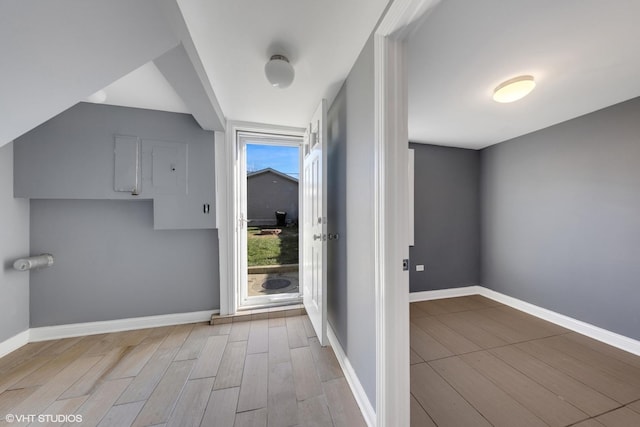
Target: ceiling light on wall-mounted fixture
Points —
{"points": [[279, 71], [514, 89], [98, 98]]}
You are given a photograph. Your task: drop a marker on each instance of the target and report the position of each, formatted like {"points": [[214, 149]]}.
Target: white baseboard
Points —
{"points": [[14, 343], [444, 293], [362, 400], [93, 328], [616, 340], [584, 328]]}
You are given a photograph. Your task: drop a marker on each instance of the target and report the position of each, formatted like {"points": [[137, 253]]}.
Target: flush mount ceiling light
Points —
{"points": [[98, 98], [279, 71], [514, 89]]}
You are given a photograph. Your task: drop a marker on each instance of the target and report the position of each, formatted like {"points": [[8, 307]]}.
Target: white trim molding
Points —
{"points": [[444, 293], [227, 204], [411, 172], [614, 339], [15, 342], [359, 394], [92, 328], [391, 234], [224, 223]]}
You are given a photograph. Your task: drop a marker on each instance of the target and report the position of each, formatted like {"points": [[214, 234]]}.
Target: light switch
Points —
{"points": [[420, 267]]}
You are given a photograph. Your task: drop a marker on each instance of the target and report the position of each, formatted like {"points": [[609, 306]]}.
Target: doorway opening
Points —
{"points": [[269, 206]]}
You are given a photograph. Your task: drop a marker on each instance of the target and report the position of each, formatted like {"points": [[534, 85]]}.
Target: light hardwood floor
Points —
{"points": [[475, 362], [270, 372]]}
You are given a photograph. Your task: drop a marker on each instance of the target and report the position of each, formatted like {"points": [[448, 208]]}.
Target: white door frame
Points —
{"points": [[227, 206], [390, 213], [279, 140], [314, 196]]}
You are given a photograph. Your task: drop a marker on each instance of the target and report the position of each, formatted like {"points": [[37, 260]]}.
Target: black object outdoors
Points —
{"points": [[272, 284], [281, 218]]}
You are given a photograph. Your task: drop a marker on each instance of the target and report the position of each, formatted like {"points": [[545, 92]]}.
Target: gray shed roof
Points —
{"points": [[273, 171]]}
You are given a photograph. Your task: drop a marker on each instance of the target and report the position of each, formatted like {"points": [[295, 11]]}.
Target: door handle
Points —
{"points": [[242, 221], [317, 237]]}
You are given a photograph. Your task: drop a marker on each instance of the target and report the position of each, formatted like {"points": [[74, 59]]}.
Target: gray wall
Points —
{"points": [[111, 264], [71, 156], [267, 193], [351, 149], [337, 263], [561, 218], [447, 218], [14, 243]]}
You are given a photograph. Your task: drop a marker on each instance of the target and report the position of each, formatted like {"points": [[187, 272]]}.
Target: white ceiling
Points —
{"points": [[149, 88], [113, 45], [584, 55], [235, 38], [55, 54]]}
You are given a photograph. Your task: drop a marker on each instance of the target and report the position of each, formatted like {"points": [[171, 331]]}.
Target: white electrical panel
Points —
{"points": [[127, 164], [164, 167]]}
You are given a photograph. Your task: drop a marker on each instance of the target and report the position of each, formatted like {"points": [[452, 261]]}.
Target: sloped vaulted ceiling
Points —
{"points": [[56, 53]]}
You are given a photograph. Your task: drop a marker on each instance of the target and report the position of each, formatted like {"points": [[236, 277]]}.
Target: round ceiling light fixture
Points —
{"points": [[279, 71], [98, 98], [514, 89]]}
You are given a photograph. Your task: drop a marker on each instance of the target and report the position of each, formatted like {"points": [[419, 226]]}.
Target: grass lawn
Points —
{"points": [[272, 250]]}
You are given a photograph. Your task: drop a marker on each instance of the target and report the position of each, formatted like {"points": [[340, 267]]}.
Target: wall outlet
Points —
{"points": [[419, 267]]}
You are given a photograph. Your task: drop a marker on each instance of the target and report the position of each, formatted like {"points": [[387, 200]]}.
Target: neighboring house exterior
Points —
{"points": [[269, 191]]}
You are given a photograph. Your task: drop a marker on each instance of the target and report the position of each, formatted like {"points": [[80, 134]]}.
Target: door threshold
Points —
{"points": [[265, 303], [260, 314]]}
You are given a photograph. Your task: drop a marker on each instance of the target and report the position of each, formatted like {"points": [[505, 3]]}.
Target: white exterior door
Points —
{"points": [[315, 223]]}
